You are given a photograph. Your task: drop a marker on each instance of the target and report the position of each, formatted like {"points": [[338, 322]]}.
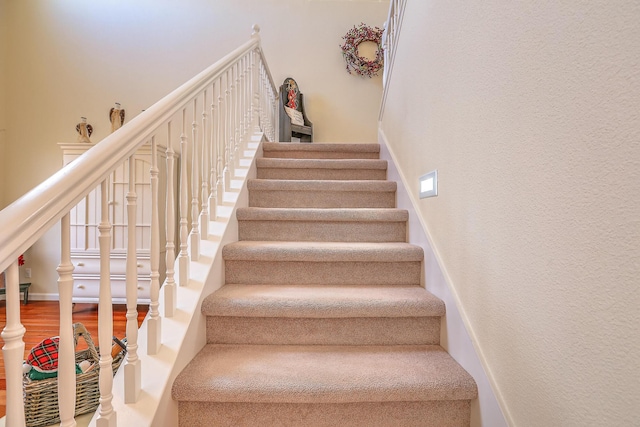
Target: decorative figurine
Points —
{"points": [[84, 130], [116, 116]]}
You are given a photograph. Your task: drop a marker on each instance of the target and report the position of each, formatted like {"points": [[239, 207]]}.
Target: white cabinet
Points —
{"points": [[85, 218]]}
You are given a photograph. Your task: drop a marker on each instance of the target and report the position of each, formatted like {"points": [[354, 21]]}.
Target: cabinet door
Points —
{"points": [[84, 219], [119, 186]]}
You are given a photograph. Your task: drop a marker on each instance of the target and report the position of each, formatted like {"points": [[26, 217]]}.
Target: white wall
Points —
{"points": [[72, 58], [454, 337], [3, 95], [530, 113]]}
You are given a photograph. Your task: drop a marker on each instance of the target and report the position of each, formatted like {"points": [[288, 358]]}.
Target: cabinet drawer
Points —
{"points": [[90, 265], [89, 287]]}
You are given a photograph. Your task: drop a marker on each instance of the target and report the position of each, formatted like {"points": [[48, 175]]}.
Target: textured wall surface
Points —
{"points": [[68, 59], [3, 94], [71, 58], [531, 114]]}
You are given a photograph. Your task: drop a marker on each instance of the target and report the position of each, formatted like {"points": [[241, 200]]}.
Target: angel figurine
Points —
{"points": [[84, 130], [116, 116]]}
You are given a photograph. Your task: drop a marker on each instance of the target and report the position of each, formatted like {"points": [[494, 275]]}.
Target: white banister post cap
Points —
{"points": [[256, 30]]}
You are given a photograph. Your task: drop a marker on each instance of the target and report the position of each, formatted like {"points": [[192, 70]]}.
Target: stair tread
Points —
{"points": [[267, 162], [323, 374], [322, 301], [323, 251], [321, 185], [339, 147], [327, 214]]}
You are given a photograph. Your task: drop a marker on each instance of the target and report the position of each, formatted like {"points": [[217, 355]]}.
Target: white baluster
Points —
{"points": [[265, 101], [13, 349], [227, 134], [132, 367], [155, 321], [195, 187], [183, 257], [245, 91], [106, 414], [274, 112], [256, 93], [213, 189], [238, 111], [66, 349], [232, 125], [220, 145], [170, 291], [385, 52], [249, 93], [240, 118], [204, 197]]}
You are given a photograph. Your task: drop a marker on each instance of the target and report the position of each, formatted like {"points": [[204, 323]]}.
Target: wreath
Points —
{"points": [[360, 65]]}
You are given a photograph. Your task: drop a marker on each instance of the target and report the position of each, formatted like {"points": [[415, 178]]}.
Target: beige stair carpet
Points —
{"points": [[322, 320]]}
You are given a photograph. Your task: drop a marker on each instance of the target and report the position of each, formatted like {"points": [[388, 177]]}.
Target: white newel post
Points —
{"points": [[195, 186], [183, 257], [170, 291], [66, 349], [204, 179], [132, 367], [106, 414], [154, 324], [13, 349]]}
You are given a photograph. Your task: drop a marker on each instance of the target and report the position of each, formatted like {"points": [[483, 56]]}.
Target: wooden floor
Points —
{"points": [[42, 319]]}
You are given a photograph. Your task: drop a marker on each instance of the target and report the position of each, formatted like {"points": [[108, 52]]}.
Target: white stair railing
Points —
{"points": [[242, 101], [390, 43]]}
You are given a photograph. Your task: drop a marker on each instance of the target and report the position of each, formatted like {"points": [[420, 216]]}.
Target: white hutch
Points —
{"points": [[85, 218]]}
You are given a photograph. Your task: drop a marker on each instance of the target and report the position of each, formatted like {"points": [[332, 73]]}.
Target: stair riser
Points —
{"points": [[321, 199], [322, 174], [319, 155], [327, 331], [308, 231], [439, 413], [319, 273]]}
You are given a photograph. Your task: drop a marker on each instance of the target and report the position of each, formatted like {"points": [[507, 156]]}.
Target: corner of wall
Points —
{"points": [[454, 335]]}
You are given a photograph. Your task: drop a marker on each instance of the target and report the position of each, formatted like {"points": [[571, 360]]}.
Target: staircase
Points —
{"points": [[322, 320]]}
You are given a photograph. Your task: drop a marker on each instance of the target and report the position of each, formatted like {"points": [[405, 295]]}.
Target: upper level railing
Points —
{"points": [[390, 43], [206, 123]]}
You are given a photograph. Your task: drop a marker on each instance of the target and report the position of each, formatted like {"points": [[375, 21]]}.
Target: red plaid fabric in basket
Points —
{"points": [[44, 356]]}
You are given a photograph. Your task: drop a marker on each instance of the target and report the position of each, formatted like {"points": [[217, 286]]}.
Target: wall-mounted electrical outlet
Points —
{"points": [[27, 273]]}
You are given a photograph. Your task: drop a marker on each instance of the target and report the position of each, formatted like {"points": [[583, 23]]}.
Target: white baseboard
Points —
{"points": [[454, 337]]}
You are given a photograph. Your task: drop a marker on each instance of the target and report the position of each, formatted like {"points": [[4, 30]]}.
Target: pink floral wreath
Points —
{"points": [[362, 66]]}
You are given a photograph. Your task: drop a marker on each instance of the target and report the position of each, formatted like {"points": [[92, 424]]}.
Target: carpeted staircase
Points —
{"points": [[322, 320]]}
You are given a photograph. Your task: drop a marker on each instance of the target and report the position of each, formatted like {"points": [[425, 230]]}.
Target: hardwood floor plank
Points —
{"points": [[41, 320]]}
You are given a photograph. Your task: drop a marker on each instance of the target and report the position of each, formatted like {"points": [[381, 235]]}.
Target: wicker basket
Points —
{"points": [[41, 396]]}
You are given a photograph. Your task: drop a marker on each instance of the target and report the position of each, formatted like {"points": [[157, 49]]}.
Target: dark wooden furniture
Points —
{"points": [[293, 119], [24, 288]]}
